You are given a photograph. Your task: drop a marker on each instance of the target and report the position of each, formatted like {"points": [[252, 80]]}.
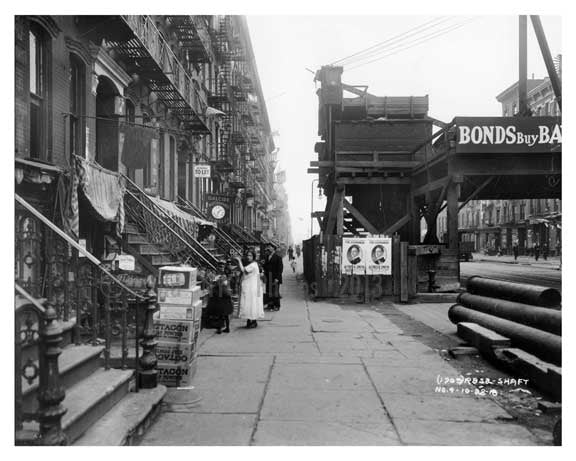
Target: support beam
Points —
{"points": [[397, 225], [554, 80], [360, 218], [385, 164], [394, 180], [452, 215], [340, 215], [473, 194], [333, 214], [523, 66]]}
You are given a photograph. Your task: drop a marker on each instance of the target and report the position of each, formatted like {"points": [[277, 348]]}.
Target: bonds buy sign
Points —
{"points": [[508, 134]]}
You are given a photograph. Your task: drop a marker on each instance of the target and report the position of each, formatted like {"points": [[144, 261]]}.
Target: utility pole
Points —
{"points": [[523, 66]]}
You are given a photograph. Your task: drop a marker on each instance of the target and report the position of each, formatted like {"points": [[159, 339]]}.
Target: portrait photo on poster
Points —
{"points": [[379, 254], [354, 254]]}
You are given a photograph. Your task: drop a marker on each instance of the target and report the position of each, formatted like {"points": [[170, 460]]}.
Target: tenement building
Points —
{"points": [[140, 142]]}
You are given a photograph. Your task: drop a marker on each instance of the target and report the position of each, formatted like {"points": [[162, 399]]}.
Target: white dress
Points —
{"points": [[251, 300]]}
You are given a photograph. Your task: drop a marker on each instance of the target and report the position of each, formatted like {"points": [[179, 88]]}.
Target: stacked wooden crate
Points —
{"points": [[177, 324]]}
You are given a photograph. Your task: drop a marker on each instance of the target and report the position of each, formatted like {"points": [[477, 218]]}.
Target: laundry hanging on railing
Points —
{"points": [[104, 190], [176, 212]]}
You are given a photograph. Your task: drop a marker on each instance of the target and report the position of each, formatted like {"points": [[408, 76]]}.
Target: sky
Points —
{"points": [[461, 70]]}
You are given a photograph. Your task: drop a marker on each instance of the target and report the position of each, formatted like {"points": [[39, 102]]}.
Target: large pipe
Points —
{"points": [[549, 320], [518, 292], [542, 344]]}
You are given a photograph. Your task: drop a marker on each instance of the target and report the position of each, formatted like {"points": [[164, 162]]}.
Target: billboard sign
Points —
{"points": [[508, 134]]}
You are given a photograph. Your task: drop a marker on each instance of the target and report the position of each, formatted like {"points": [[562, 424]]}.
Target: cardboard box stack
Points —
{"points": [[177, 324]]}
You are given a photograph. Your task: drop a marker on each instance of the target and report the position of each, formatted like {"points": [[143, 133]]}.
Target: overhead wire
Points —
{"points": [[401, 36], [418, 41]]}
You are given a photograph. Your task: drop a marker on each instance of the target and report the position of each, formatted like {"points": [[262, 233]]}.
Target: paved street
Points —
{"points": [[526, 270], [317, 373]]}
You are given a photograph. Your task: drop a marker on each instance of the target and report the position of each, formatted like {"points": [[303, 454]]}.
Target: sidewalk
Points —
{"points": [[553, 262], [317, 373]]}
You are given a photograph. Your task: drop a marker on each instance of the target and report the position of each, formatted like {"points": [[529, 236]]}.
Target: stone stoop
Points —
{"points": [[127, 422], [100, 409]]}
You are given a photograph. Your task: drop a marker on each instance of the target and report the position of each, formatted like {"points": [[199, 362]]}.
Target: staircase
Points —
{"points": [[79, 352], [159, 236], [149, 255], [101, 405]]}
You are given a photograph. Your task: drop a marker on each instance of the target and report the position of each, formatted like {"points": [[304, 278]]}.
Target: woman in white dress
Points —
{"points": [[251, 301]]}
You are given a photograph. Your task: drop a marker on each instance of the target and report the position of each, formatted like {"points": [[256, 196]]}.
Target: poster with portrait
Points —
{"points": [[353, 256], [378, 255]]}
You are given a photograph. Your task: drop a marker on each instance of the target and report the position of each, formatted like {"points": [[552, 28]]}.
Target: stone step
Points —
{"points": [[75, 364], [160, 259], [137, 238], [127, 421], [90, 399], [130, 228], [150, 249]]}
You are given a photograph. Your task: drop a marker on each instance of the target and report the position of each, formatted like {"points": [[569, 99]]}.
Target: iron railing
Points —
{"points": [[158, 48], [81, 298], [224, 243], [165, 229]]}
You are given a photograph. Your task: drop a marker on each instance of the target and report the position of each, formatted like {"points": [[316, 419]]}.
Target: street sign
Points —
{"points": [[505, 135], [201, 171]]}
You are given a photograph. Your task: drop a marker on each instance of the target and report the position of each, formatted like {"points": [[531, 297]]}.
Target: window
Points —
{"points": [[77, 91], [522, 211], [38, 91], [498, 216]]}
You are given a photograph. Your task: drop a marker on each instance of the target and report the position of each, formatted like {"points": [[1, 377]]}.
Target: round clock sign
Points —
{"points": [[218, 211]]}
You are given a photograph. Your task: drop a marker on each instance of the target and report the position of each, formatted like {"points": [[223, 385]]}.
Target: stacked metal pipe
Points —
{"points": [[533, 324]]}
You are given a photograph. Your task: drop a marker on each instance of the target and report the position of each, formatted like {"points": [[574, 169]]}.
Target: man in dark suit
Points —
{"points": [[273, 268]]}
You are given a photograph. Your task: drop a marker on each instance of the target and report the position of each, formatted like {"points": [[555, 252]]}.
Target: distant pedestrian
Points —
{"points": [[515, 251], [545, 251], [298, 251], [536, 252], [290, 254], [251, 303], [293, 265]]}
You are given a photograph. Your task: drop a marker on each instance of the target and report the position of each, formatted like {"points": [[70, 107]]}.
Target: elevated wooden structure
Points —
{"points": [[383, 169]]}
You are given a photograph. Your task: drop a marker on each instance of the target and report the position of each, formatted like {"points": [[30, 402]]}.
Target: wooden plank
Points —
{"points": [[317, 214], [403, 272], [452, 215], [332, 215], [398, 224], [396, 265], [365, 223], [391, 164], [340, 216], [312, 170], [392, 180]]}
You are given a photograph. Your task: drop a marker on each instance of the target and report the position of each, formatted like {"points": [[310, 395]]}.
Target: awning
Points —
{"points": [[173, 210]]}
